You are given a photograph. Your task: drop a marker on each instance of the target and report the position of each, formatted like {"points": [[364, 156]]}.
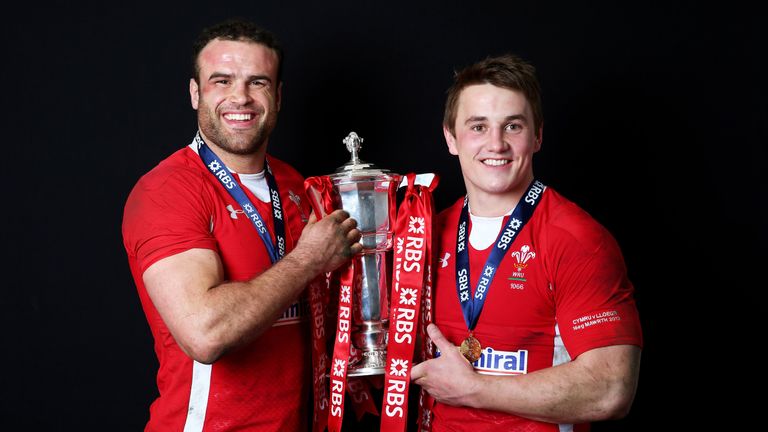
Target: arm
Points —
{"points": [[598, 385], [207, 316]]}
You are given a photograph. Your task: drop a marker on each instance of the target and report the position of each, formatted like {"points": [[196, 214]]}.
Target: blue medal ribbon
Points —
{"points": [[217, 168], [472, 306]]}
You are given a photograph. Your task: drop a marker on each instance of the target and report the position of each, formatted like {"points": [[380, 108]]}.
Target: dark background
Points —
{"points": [[654, 123]]}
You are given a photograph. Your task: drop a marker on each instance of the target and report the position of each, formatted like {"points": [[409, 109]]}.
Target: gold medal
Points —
{"points": [[470, 348]]}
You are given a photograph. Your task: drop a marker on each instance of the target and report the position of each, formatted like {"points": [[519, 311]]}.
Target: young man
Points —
{"points": [[218, 247], [531, 288]]}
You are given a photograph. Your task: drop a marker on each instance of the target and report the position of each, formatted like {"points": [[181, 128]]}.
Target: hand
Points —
{"points": [[450, 378], [330, 242]]}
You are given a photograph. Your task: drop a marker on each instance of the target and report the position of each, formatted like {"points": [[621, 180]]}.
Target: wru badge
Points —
{"points": [[379, 300]]}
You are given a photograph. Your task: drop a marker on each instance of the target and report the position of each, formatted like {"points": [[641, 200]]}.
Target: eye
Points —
{"points": [[258, 83], [513, 127], [477, 128], [222, 81]]}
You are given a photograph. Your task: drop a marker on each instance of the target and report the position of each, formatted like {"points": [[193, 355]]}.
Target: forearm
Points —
{"points": [[209, 316], [574, 392], [234, 313]]}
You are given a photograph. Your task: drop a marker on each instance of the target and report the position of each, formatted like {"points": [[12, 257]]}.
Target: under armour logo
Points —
{"points": [[444, 260], [232, 212]]}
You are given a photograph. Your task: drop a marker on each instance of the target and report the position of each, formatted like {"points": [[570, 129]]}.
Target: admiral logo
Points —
{"points": [[521, 262], [293, 315], [492, 362]]}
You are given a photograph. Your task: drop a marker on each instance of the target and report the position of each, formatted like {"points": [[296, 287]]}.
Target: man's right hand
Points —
{"points": [[329, 242]]}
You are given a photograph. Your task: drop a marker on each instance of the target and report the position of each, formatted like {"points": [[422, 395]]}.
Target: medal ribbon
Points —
{"points": [[222, 174], [471, 306], [413, 238]]}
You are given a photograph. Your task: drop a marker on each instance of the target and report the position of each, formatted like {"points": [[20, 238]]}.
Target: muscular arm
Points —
{"points": [[207, 316], [598, 385]]}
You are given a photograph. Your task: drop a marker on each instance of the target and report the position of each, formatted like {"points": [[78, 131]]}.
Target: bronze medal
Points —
{"points": [[470, 348]]}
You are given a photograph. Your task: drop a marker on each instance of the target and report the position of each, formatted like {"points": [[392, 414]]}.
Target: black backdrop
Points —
{"points": [[654, 123]]}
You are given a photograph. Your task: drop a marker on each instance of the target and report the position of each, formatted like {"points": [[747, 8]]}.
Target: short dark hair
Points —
{"points": [[236, 29], [506, 71]]}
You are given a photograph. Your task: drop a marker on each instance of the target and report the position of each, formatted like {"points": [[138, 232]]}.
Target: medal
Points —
{"points": [[470, 348], [472, 303]]}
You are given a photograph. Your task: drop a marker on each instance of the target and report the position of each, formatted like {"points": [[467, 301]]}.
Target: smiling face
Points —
{"points": [[238, 96], [495, 139]]}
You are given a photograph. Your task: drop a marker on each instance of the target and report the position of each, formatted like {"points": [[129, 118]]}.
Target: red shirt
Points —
{"points": [[561, 290], [264, 386]]}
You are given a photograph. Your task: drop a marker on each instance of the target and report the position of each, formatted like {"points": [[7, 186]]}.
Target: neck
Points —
{"points": [[240, 163], [493, 205], [487, 204]]}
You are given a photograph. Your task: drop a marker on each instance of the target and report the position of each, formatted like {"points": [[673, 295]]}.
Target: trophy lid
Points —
{"points": [[357, 168]]}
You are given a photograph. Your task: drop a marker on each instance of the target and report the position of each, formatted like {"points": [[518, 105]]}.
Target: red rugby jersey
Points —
{"points": [[264, 386], [561, 289]]}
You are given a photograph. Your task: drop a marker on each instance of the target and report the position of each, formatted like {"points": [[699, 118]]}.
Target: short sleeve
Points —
{"points": [[594, 299], [167, 212]]}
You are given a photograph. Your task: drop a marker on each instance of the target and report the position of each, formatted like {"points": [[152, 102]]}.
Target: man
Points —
{"points": [[219, 252], [532, 289]]}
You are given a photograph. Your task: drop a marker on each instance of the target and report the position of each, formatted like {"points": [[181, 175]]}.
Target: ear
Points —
{"points": [[539, 138], [279, 95], [194, 93], [451, 141]]}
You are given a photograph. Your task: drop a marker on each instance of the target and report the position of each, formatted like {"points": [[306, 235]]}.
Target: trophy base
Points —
{"points": [[372, 363]]}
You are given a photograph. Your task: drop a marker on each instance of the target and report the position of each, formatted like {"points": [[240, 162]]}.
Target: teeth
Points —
{"points": [[496, 162], [239, 117]]}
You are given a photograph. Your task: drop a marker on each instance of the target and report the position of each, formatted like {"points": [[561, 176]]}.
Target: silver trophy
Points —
{"points": [[367, 193]]}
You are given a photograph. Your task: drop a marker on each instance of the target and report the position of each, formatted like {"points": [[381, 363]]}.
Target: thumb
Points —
{"points": [[312, 218], [443, 344]]}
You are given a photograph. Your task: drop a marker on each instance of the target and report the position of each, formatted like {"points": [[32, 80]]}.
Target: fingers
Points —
{"points": [[443, 344], [418, 371]]}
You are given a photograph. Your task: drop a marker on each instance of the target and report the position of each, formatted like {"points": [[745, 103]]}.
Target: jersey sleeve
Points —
{"points": [[594, 299], [167, 213]]}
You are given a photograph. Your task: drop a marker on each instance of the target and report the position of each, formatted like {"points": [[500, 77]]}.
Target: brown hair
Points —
{"points": [[506, 71], [236, 29]]}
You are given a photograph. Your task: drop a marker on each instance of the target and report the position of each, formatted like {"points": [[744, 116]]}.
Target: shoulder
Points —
{"points": [[177, 179], [565, 221], [282, 170], [450, 215], [181, 169]]}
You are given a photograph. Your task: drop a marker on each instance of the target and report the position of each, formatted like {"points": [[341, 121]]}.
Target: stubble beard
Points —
{"points": [[243, 143]]}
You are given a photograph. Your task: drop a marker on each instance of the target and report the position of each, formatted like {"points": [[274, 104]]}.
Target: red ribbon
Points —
{"points": [[413, 237], [318, 189], [340, 360], [412, 276]]}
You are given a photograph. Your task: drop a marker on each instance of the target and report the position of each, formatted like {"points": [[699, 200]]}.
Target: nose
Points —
{"points": [[240, 95], [496, 142]]}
